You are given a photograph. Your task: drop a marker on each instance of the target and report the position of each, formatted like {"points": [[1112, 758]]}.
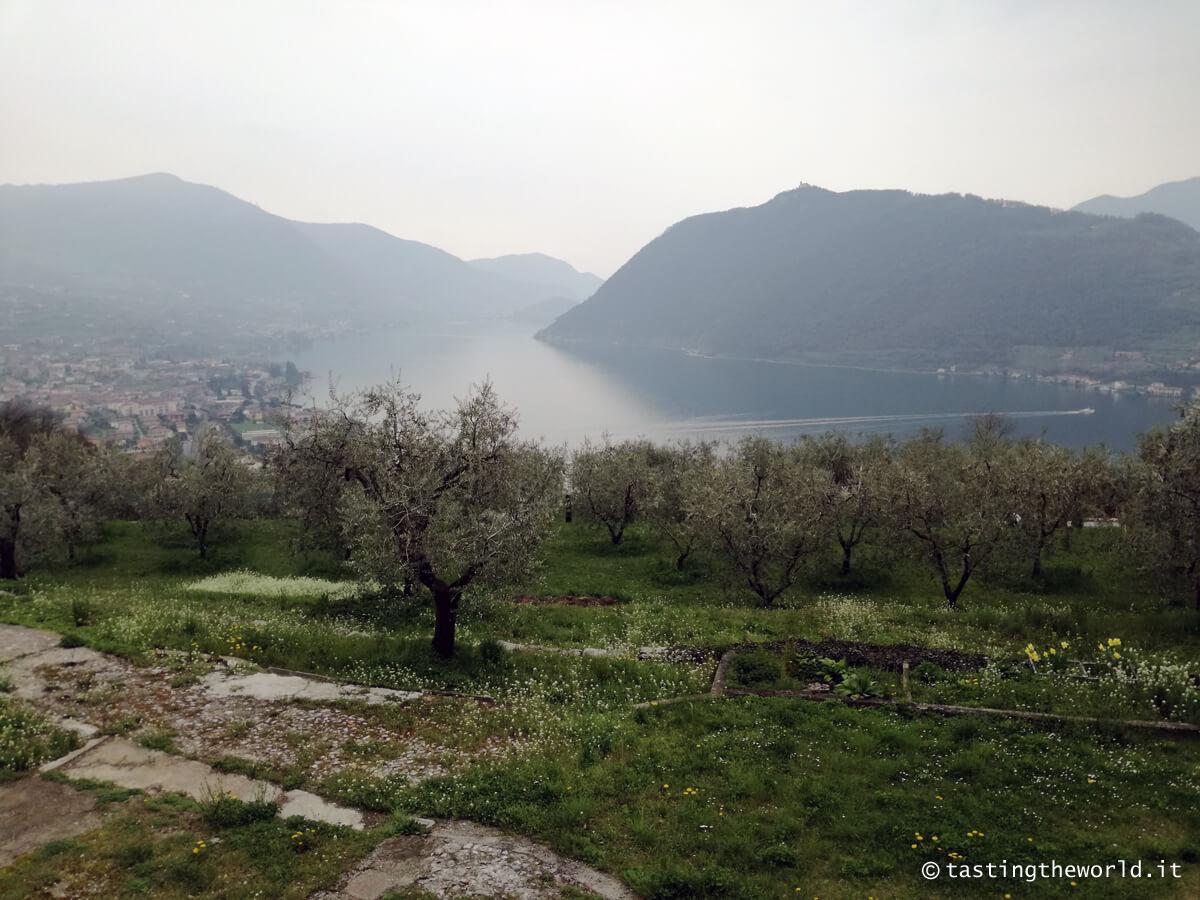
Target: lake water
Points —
{"points": [[566, 393]]}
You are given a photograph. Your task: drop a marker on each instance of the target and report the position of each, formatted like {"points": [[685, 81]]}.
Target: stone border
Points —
{"points": [[1183, 729]]}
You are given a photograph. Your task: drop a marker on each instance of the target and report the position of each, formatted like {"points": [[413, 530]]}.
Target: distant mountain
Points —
{"points": [[1177, 199], [894, 278], [560, 278], [159, 244], [419, 279], [544, 311]]}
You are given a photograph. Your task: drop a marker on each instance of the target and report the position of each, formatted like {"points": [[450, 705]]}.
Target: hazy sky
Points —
{"points": [[583, 129]]}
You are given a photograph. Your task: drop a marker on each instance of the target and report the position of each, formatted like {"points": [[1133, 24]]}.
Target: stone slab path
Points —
{"points": [[453, 859], [224, 708], [464, 859], [272, 686]]}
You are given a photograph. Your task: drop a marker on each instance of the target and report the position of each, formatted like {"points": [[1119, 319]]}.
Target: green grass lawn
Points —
{"points": [[747, 797], [757, 797]]}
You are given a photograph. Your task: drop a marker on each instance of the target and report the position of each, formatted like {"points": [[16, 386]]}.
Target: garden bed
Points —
{"points": [[888, 657]]}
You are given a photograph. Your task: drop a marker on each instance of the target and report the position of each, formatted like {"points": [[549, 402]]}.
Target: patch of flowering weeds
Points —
{"points": [[28, 738], [252, 584]]}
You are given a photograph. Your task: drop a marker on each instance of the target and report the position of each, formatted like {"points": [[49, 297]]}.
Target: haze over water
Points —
{"points": [[564, 394]]}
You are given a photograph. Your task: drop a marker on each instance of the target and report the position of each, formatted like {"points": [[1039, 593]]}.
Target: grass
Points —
{"points": [[763, 796], [162, 847], [755, 797]]}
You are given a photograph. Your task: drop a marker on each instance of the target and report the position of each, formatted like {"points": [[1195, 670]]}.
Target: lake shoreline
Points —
{"points": [[1074, 380]]}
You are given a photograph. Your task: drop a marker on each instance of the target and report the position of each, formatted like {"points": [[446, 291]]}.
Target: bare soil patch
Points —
{"points": [[565, 600], [34, 811]]}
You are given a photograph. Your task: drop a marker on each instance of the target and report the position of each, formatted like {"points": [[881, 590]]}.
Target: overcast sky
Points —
{"points": [[583, 128]]}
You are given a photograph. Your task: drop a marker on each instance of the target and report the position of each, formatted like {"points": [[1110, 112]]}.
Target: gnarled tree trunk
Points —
{"points": [[8, 559], [445, 618], [8, 544]]}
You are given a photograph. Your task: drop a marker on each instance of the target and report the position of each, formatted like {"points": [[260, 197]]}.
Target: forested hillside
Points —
{"points": [[899, 277]]}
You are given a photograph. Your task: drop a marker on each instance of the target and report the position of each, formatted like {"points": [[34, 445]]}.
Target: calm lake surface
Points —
{"points": [[564, 394]]}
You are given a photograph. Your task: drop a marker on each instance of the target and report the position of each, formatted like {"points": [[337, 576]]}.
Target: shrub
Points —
{"points": [[222, 809], [756, 667], [833, 671], [805, 667], [928, 673]]}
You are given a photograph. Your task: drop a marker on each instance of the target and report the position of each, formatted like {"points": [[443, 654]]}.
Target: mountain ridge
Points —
{"points": [[1177, 199], [928, 280], [157, 238]]}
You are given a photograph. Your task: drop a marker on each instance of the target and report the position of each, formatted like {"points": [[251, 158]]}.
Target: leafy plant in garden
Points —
{"points": [[857, 684], [833, 671]]}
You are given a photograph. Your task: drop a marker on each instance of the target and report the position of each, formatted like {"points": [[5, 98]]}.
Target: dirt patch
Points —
{"points": [[565, 600], [34, 812], [889, 657]]}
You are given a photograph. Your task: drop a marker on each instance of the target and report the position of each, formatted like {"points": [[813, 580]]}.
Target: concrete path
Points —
{"points": [[16, 642], [128, 765], [454, 859], [224, 708], [272, 686], [28, 652], [463, 859]]}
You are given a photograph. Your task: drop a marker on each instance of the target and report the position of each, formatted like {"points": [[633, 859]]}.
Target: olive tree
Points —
{"points": [[76, 481], [671, 470], [309, 479], [1163, 509], [953, 501], [612, 483], [448, 499], [1050, 486], [16, 492], [763, 512], [206, 492], [25, 511], [859, 474]]}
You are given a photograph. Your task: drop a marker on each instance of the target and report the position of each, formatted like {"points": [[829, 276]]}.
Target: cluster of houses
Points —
{"points": [[139, 404], [1086, 382]]}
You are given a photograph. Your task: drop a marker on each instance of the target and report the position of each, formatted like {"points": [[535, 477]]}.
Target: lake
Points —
{"points": [[566, 393]]}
